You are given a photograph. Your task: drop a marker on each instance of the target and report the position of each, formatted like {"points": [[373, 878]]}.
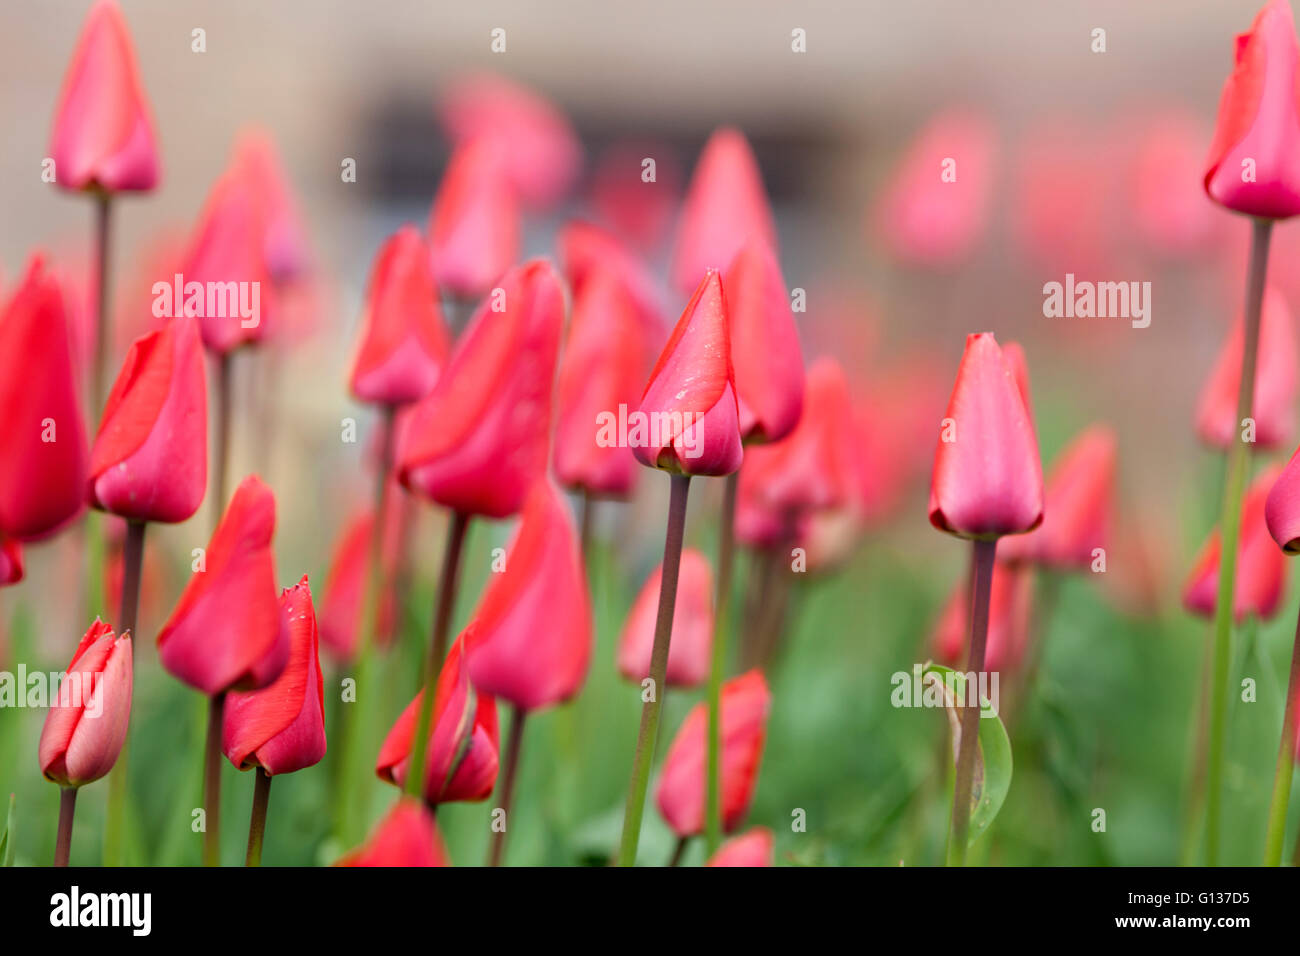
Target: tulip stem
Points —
{"points": [[103, 222], [257, 822], [1285, 764], [721, 628], [1229, 530], [67, 807], [679, 851], [212, 782], [449, 578], [968, 744], [647, 736], [222, 450], [506, 793]]}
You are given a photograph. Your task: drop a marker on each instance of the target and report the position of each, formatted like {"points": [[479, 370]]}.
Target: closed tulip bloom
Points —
{"points": [[1258, 128], [479, 441], [1013, 353], [511, 655], [284, 237], [745, 705], [340, 611], [602, 369], [586, 250], [463, 751], [86, 726], [1261, 567], [1282, 507], [764, 345], [692, 637], [1273, 409], [404, 342], [226, 632], [725, 206], [689, 407], [987, 478], [1010, 598], [150, 458], [1079, 506], [103, 130], [407, 836], [281, 727], [11, 561], [43, 443], [755, 847], [474, 223]]}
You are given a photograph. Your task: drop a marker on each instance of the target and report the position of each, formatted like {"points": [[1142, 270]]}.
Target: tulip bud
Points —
{"points": [[281, 728], [86, 727], [407, 836], [463, 752], [1254, 167], [745, 705], [754, 847], [586, 250], [340, 613], [1282, 507], [510, 656], [43, 444], [692, 636], [150, 457], [285, 250], [474, 224], [479, 440], [689, 406], [987, 479], [11, 561], [226, 632], [103, 132], [404, 344]]}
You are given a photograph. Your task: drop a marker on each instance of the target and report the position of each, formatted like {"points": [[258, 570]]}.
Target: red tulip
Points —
{"points": [[340, 611], [586, 250], [689, 407], [1010, 598], [1261, 568], [103, 132], [510, 655], [227, 246], [1254, 164], [1013, 353], [936, 206], [692, 636], [725, 207], [285, 249], [474, 223], [226, 632], [1079, 505], [1275, 382], [745, 705], [603, 365], [987, 479], [479, 440], [281, 727], [754, 847], [764, 345], [1282, 508], [404, 343], [43, 444], [542, 152], [150, 457], [462, 760], [11, 561], [407, 836], [86, 726]]}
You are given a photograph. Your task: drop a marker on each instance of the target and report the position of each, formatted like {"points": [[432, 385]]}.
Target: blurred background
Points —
{"points": [[1086, 162]]}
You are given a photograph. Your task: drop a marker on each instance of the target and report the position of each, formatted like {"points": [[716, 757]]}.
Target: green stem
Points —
{"points": [[647, 736], [721, 627], [450, 575], [128, 605], [981, 584], [222, 440], [1285, 764], [103, 233], [67, 807], [257, 822], [506, 794], [1229, 530], [212, 782], [679, 851]]}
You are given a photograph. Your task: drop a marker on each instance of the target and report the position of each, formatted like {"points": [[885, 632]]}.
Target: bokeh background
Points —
{"points": [[1082, 139]]}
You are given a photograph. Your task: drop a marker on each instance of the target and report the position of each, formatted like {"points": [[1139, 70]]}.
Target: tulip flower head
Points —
{"points": [[227, 632], [281, 727], [340, 614], [103, 135], [11, 562], [150, 458], [510, 655], [689, 406], [404, 342], [586, 250], [407, 836], [745, 705], [463, 751], [987, 479], [754, 847], [474, 224], [1282, 507], [1254, 163], [692, 635], [284, 237], [86, 726]]}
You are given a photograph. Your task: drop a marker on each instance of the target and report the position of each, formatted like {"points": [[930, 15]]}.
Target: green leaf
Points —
{"points": [[992, 778], [7, 840]]}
